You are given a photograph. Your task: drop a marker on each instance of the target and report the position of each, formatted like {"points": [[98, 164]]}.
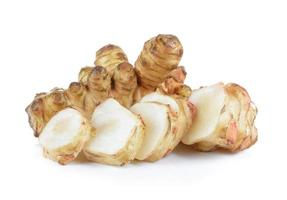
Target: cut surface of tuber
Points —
{"points": [[225, 119], [65, 135], [180, 120], [119, 131], [160, 98], [156, 120], [209, 102]]}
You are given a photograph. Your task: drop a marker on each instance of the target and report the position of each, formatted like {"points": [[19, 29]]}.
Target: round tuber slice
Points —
{"points": [[181, 124], [224, 120], [119, 134], [65, 135], [160, 123]]}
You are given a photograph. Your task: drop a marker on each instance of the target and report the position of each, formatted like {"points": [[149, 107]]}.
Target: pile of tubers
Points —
{"points": [[117, 112]]}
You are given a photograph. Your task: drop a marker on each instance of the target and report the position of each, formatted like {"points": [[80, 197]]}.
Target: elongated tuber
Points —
{"points": [[160, 55]]}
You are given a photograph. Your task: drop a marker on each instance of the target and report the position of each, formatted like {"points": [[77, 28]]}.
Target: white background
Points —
{"points": [[44, 44]]}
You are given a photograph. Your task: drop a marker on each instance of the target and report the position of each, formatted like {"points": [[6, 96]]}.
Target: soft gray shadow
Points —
{"points": [[187, 151]]}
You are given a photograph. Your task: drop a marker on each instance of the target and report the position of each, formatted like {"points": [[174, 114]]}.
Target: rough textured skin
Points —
{"points": [[44, 107], [174, 84], [70, 151], [126, 154], [98, 89], [235, 130], [115, 77], [83, 97], [160, 55], [110, 56], [125, 84], [123, 80]]}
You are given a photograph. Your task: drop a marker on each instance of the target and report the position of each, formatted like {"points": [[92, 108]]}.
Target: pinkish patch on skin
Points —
{"points": [[231, 132], [170, 86], [192, 109], [174, 130]]}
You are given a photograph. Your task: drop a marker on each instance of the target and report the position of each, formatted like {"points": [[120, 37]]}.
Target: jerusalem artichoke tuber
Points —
{"points": [[225, 119], [110, 56], [160, 55], [180, 122], [65, 135], [119, 134], [164, 111]]}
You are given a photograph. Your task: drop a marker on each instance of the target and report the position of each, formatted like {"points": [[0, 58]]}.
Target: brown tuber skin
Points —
{"points": [[125, 84], [44, 107], [98, 88], [156, 68], [110, 56], [114, 77], [160, 55]]}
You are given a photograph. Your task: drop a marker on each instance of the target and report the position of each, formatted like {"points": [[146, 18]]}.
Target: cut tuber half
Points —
{"points": [[224, 120], [160, 122], [65, 135], [119, 134], [182, 121]]}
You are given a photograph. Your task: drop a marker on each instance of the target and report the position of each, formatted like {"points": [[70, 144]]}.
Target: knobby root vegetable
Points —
{"points": [[224, 120], [115, 78], [65, 135], [119, 134], [44, 107], [160, 55], [110, 56], [122, 76], [164, 111]]}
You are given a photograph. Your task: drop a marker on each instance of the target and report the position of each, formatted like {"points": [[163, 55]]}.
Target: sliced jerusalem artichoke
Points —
{"points": [[162, 127], [183, 121], [65, 135], [225, 119], [119, 134]]}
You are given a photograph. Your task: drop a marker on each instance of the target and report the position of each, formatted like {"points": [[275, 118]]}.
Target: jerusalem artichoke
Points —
{"points": [[160, 55], [119, 134], [65, 135], [180, 123], [159, 122], [225, 119], [162, 110], [110, 56]]}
